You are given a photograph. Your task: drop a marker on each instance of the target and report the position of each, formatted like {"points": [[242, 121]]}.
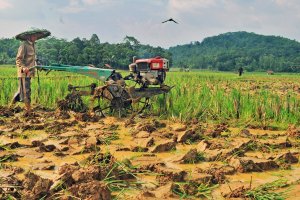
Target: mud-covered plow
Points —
{"points": [[115, 96]]}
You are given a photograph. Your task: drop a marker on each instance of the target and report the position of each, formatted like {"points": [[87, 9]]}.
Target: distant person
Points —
{"points": [[25, 62], [241, 71]]}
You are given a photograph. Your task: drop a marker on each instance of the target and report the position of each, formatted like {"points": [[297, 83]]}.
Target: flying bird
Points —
{"points": [[170, 20]]}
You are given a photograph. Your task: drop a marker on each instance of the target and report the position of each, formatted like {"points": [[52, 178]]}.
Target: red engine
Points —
{"points": [[151, 71]]}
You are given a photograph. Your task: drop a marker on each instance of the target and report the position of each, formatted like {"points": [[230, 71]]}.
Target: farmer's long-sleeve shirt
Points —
{"points": [[26, 58]]}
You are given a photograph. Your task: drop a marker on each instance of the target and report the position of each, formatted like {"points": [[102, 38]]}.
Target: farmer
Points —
{"points": [[25, 61], [241, 70]]}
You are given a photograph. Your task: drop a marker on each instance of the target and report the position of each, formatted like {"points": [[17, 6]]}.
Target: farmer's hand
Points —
{"points": [[25, 70]]}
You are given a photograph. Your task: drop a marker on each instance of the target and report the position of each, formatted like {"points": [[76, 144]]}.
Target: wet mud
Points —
{"points": [[65, 155]]}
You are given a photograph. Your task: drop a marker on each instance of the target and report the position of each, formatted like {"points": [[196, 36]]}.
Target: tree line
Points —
{"points": [[84, 51], [225, 52]]}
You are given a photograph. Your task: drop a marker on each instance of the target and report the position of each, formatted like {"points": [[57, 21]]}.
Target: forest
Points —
{"points": [[230, 51], [225, 52], [83, 51]]}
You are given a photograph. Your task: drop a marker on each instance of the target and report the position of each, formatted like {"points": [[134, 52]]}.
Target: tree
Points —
{"points": [[94, 41], [132, 41]]}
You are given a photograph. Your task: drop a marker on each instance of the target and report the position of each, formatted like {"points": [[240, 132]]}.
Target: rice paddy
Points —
{"points": [[269, 100], [215, 135]]}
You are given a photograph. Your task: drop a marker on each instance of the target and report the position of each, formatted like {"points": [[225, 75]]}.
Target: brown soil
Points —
{"points": [[65, 154]]}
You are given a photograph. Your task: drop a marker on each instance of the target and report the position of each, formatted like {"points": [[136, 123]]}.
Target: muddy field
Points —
{"points": [[59, 155]]}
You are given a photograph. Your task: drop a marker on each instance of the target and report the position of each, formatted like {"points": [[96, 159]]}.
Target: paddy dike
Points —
{"points": [[52, 154]]}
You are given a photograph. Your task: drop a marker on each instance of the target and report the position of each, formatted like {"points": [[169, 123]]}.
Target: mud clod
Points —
{"points": [[199, 178], [239, 192], [188, 136], [163, 147], [286, 158], [168, 174], [217, 130], [91, 142], [62, 115], [245, 133], [278, 143], [6, 112], [144, 142], [72, 102], [179, 127], [93, 190], [191, 157], [86, 117], [84, 174], [47, 148], [86, 149], [203, 145], [293, 131], [13, 145], [142, 134], [8, 157], [59, 127], [149, 126], [35, 187], [247, 164], [44, 166], [8, 192], [37, 143], [218, 173]]}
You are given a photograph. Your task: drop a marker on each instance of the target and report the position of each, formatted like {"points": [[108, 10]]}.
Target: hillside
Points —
{"points": [[225, 52], [229, 51]]}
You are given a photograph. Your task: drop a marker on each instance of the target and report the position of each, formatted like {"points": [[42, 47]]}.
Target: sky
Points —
{"points": [[113, 20]]}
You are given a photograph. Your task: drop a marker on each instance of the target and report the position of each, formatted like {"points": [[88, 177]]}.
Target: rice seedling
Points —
{"points": [[200, 156], [268, 191], [190, 190], [203, 95], [109, 138]]}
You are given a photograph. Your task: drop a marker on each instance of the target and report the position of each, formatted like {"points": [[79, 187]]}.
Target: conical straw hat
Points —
{"points": [[40, 33]]}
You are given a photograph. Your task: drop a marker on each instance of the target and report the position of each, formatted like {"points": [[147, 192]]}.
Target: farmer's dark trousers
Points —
{"points": [[24, 91]]}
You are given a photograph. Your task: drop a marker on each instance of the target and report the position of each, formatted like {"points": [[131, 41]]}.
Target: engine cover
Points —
{"points": [[150, 71]]}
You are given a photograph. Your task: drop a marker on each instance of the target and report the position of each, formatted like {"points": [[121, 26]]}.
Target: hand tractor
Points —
{"points": [[115, 96]]}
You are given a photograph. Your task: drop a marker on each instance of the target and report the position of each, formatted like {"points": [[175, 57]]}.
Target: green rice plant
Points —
{"points": [[193, 190], [200, 156], [109, 138], [268, 191], [179, 189], [205, 95], [205, 190], [121, 186]]}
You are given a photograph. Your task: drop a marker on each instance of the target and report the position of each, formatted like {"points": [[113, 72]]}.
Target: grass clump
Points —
{"points": [[268, 191], [193, 190]]}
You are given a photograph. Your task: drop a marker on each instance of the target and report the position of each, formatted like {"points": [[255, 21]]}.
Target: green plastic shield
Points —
{"points": [[97, 73]]}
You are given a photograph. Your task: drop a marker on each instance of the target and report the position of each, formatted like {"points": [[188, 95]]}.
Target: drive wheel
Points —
{"points": [[110, 104]]}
